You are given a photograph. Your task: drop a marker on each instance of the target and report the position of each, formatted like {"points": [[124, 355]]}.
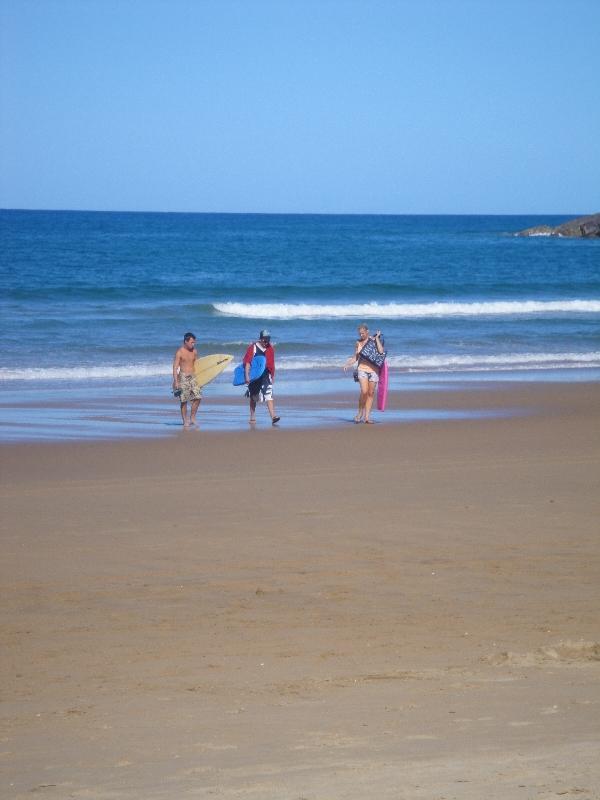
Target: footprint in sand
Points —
{"points": [[549, 710], [212, 746]]}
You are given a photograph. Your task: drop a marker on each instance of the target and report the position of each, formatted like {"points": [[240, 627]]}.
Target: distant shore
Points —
{"points": [[587, 227]]}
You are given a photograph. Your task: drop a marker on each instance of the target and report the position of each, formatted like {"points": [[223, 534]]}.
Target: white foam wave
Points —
{"points": [[451, 363], [409, 363], [405, 310], [510, 361], [130, 371]]}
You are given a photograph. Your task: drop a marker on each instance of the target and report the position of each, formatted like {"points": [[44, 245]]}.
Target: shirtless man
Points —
{"points": [[184, 380]]}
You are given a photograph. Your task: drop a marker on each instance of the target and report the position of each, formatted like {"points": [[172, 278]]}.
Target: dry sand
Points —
{"points": [[394, 611]]}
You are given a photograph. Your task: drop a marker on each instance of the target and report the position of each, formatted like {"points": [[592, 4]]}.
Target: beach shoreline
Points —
{"points": [[55, 413], [402, 610]]}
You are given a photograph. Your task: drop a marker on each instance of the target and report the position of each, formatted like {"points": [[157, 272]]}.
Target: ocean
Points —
{"points": [[95, 304]]}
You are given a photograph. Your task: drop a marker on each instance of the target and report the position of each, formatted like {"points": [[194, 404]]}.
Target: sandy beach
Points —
{"points": [[389, 611]]}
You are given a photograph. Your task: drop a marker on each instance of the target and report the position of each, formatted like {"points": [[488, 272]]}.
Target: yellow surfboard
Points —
{"points": [[207, 368]]}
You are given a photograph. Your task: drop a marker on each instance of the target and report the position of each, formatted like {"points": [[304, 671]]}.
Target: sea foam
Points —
{"points": [[458, 363], [446, 362], [405, 310], [80, 373]]}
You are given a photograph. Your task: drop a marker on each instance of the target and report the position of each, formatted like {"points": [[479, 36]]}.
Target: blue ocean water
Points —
{"points": [[93, 299]]}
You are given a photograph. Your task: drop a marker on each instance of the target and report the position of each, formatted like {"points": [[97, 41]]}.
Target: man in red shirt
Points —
{"points": [[261, 389]]}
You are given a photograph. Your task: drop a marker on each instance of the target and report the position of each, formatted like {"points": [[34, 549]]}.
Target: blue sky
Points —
{"points": [[332, 106]]}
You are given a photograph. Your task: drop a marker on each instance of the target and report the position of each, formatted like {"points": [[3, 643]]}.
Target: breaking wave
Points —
{"points": [[405, 310], [462, 363], [408, 363], [81, 373]]}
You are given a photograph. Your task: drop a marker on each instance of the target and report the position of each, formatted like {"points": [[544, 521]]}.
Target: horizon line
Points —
{"points": [[302, 213]]}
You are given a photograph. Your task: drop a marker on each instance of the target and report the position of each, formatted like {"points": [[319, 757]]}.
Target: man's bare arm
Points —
{"points": [[176, 365]]}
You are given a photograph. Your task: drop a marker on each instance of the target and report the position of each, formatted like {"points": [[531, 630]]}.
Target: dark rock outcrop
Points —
{"points": [[581, 228]]}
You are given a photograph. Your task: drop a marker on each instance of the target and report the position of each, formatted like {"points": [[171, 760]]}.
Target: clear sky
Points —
{"points": [[327, 106]]}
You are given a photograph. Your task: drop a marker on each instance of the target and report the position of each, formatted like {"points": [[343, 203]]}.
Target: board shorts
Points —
{"points": [[189, 389], [366, 375], [261, 390]]}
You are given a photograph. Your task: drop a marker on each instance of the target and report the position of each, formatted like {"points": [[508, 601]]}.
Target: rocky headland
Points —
{"points": [[581, 228]]}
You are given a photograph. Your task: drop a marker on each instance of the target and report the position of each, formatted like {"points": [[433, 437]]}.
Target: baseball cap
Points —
{"points": [[264, 334]]}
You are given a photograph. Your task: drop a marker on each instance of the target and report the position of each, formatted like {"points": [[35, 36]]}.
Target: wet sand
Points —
{"points": [[388, 611]]}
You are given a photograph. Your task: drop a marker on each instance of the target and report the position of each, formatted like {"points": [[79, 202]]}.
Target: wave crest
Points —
{"points": [[407, 363], [459, 363], [376, 310], [126, 371]]}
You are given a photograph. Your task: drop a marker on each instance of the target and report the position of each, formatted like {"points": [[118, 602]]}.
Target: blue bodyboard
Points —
{"points": [[257, 367]]}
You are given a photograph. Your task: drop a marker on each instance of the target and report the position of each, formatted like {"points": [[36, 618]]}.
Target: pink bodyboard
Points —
{"points": [[382, 387]]}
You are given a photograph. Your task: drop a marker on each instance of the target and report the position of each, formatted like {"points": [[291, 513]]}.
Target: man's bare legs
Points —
{"points": [[194, 405], [272, 414], [270, 406]]}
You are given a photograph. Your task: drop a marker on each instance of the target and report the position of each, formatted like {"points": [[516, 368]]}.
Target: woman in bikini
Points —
{"points": [[367, 372]]}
